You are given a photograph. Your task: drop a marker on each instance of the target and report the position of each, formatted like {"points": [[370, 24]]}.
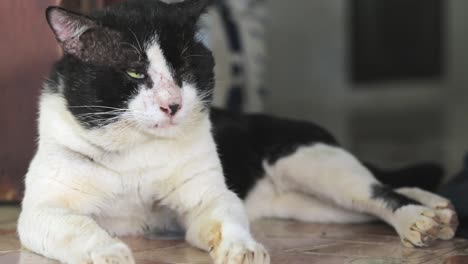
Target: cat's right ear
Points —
{"points": [[68, 27]]}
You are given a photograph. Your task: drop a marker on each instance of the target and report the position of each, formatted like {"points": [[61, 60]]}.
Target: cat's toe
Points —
{"points": [[449, 222]]}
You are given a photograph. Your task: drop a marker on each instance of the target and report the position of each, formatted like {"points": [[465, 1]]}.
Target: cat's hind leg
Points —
{"points": [[333, 174], [267, 201]]}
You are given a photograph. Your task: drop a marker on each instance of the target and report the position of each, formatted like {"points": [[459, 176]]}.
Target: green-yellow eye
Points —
{"points": [[135, 75]]}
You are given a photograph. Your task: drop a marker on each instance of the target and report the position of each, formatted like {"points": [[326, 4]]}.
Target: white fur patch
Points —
{"points": [[267, 200], [158, 63]]}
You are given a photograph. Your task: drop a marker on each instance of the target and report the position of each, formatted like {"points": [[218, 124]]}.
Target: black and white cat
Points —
{"points": [[128, 145]]}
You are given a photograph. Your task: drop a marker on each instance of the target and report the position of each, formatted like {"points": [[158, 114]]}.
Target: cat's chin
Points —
{"points": [[165, 125], [166, 130]]}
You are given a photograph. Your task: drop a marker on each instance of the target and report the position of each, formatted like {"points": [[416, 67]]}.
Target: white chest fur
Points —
{"points": [[142, 178]]}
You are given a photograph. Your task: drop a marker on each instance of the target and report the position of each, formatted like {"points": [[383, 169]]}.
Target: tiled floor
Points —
{"points": [[289, 242]]}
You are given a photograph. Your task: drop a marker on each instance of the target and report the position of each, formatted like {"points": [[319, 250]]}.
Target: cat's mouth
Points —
{"points": [[154, 123], [165, 129]]}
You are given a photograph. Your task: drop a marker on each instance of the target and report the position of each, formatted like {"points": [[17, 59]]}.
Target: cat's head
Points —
{"points": [[137, 63]]}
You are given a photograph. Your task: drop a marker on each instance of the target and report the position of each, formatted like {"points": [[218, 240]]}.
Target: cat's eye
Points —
{"points": [[135, 74]]}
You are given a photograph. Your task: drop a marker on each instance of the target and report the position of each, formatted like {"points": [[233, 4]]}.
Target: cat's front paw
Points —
{"points": [[240, 252], [117, 253]]}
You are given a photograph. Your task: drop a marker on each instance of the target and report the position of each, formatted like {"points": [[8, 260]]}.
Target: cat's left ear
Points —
{"points": [[68, 26]]}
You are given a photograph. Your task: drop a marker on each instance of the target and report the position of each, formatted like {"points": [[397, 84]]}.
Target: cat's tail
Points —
{"points": [[427, 176]]}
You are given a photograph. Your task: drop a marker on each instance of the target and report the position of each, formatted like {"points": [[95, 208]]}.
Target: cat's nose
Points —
{"points": [[171, 110]]}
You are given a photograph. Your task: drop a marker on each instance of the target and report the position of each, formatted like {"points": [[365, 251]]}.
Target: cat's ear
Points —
{"points": [[199, 7], [195, 8], [68, 27]]}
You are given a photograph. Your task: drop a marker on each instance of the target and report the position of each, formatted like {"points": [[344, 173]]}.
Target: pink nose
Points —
{"points": [[171, 110], [168, 95], [169, 99]]}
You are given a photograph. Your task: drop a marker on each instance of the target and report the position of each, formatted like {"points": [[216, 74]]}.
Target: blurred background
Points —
{"points": [[387, 77]]}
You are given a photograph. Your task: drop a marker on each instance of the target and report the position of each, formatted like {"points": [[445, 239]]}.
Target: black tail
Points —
{"points": [[426, 176]]}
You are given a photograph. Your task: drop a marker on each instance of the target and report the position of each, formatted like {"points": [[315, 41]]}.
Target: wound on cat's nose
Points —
{"points": [[167, 94]]}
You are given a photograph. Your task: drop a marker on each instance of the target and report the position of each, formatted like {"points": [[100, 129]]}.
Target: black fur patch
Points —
{"points": [[425, 175], [392, 199], [102, 46], [246, 141]]}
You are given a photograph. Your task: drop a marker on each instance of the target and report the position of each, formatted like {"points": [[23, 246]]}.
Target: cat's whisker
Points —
{"points": [[133, 46], [189, 56], [101, 113], [136, 39], [186, 46], [97, 106], [106, 119], [205, 95], [122, 110], [97, 116]]}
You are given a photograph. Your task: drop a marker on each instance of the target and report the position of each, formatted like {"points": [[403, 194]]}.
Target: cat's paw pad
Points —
{"points": [[240, 252], [117, 253], [418, 226]]}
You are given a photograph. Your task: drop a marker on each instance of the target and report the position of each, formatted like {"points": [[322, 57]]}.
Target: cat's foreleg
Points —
{"points": [[215, 219], [221, 227], [69, 237]]}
